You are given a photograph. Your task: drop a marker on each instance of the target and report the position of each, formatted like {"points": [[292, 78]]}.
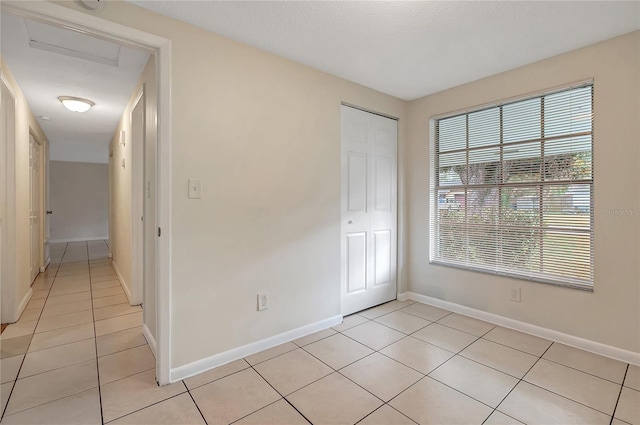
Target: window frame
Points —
{"points": [[434, 195]]}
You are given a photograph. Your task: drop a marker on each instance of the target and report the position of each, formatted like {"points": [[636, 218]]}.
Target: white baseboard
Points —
{"points": [[123, 283], [23, 303], [150, 339], [574, 341], [46, 264], [199, 366], [403, 296], [91, 238]]}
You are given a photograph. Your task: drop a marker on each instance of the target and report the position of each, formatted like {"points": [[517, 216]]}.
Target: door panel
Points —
{"points": [[382, 257], [356, 186], [369, 209], [383, 185], [356, 262], [384, 135], [355, 128]]}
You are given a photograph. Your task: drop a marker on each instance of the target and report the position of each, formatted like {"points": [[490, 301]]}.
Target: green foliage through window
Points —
{"points": [[513, 188]]}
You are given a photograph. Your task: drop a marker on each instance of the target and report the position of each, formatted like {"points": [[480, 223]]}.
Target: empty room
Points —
{"points": [[324, 212]]}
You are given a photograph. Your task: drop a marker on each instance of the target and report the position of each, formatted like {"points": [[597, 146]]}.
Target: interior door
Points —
{"points": [[137, 201], [150, 202], [46, 256], [34, 207], [369, 209]]}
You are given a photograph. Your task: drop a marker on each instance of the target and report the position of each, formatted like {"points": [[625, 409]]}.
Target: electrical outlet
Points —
{"points": [[263, 301], [515, 294]]}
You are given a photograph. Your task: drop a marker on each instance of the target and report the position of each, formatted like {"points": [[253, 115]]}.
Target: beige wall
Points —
{"points": [[263, 135], [120, 189], [120, 198], [79, 200], [610, 314], [17, 264]]}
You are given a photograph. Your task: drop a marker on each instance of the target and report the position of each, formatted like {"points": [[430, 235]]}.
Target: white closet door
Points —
{"points": [[369, 209]]}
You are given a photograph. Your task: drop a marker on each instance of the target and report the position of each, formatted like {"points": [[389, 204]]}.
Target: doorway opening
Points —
{"points": [[151, 163]]}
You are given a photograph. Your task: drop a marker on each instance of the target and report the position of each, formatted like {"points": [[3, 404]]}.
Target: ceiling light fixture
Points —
{"points": [[76, 104]]}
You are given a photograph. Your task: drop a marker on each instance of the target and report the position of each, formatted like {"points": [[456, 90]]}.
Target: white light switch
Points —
{"points": [[195, 189]]}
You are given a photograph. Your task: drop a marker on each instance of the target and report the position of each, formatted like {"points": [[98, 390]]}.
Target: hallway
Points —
{"points": [[75, 340]]}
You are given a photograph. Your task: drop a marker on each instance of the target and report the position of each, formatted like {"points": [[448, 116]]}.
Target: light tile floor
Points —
{"points": [[77, 356]]}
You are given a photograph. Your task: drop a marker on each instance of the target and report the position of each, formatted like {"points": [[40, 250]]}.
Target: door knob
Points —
{"points": [[350, 222], [49, 212]]}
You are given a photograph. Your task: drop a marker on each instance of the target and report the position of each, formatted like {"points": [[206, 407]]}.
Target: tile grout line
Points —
{"points": [[380, 407], [355, 361], [194, 402], [589, 373], [391, 358], [296, 409], [613, 414], [378, 351], [424, 375], [61, 345], [482, 336], [565, 396], [120, 351], [32, 334], [124, 349], [431, 322], [518, 383], [149, 405], [282, 397], [330, 367], [214, 380], [95, 337]]}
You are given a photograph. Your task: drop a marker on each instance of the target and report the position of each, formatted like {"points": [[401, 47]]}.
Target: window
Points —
{"points": [[512, 189]]}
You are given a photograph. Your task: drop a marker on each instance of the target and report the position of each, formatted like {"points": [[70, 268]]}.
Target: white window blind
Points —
{"points": [[512, 189]]}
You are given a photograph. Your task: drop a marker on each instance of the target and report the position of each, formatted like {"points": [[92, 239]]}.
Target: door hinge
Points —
{"points": [[159, 232]]}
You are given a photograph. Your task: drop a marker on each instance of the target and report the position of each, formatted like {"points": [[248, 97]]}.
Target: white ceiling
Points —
{"points": [[71, 64], [410, 48]]}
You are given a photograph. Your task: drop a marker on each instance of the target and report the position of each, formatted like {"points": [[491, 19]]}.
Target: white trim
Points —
{"points": [[9, 269], [123, 283], [163, 214], [369, 111], [574, 341], [92, 238], [202, 365], [23, 303], [62, 16], [403, 296], [516, 98], [10, 88], [46, 264], [150, 339], [79, 21]]}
